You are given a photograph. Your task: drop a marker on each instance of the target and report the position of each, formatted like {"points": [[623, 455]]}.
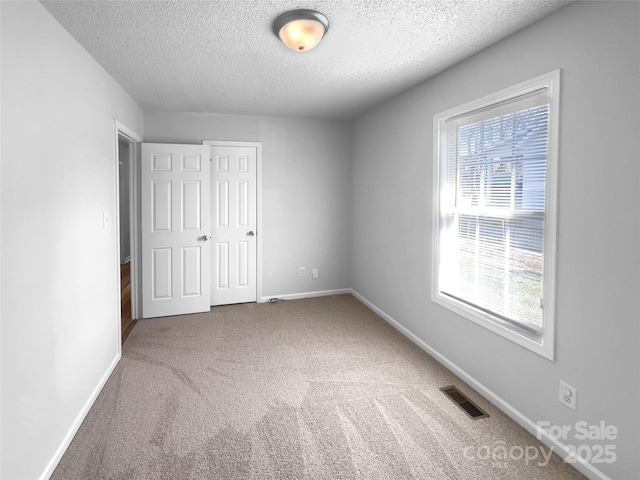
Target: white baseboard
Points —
{"points": [[73, 429], [298, 296], [561, 449]]}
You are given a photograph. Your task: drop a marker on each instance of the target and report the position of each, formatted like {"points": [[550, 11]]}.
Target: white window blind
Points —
{"points": [[492, 209]]}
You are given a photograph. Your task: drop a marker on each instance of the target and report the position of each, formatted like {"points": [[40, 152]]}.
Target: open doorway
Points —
{"points": [[127, 154], [124, 200]]}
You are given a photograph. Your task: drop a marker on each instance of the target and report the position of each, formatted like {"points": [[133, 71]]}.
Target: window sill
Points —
{"points": [[539, 344]]}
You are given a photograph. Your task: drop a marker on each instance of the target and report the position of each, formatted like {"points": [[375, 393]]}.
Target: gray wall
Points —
{"points": [[59, 309], [305, 178], [597, 46]]}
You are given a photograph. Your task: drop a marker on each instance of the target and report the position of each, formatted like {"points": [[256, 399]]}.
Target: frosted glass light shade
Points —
{"points": [[301, 34], [301, 30]]}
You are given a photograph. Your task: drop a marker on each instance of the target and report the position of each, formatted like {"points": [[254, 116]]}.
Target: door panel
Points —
{"points": [[161, 276], [175, 226], [234, 207]]}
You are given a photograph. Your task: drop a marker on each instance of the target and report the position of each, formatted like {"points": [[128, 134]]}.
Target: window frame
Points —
{"points": [[544, 343]]}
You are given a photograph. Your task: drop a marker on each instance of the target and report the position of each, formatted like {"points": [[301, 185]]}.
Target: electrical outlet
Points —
{"points": [[303, 271], [314, 273], [568, 395]]}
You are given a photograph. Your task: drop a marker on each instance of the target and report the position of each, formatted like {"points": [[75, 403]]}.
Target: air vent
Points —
{"points": [[462, 401]]}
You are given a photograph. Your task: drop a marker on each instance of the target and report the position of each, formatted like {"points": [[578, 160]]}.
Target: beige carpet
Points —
{"points": [[309, 389]]}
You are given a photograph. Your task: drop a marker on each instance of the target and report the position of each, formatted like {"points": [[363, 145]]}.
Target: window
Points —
{"points": [[495, 166]]}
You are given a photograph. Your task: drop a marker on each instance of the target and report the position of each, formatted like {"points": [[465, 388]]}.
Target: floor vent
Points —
{"points": [[462, 401]]}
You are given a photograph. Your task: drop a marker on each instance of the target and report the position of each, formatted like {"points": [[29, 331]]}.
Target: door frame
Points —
{"points": [[259, 233], [121, 130]]}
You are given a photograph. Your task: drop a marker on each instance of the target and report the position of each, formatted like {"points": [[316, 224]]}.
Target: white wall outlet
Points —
{"points": [[568, 395], [314, 273], [303, 271], [106, 220]]}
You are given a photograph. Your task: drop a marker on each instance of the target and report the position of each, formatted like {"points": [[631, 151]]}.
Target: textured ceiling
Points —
{"points": [[222, 57]]}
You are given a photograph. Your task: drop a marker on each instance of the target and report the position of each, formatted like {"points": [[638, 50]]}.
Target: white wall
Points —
{"points": [[60, 332], [305, 179], [597, 46]]}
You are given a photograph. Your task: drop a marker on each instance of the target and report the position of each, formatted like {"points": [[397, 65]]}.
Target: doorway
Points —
{"points": [[124, 217], [127, 148]]}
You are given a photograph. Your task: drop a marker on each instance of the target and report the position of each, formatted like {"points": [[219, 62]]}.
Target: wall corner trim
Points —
{"points": [[73, 429], [529, 425]]}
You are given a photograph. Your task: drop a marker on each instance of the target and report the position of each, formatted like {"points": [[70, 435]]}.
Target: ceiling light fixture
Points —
{"points": [[301, 30]]}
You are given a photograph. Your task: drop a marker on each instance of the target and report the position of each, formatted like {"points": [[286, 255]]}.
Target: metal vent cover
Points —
{"points": [[464, 402]]}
